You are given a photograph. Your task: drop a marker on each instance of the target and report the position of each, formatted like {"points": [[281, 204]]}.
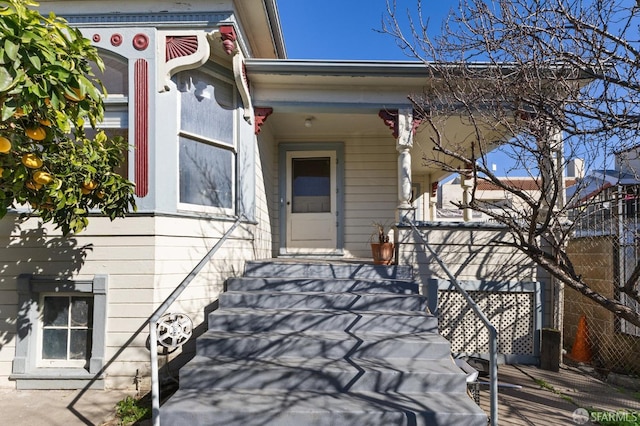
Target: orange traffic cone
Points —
{"points": [[581, 351]]}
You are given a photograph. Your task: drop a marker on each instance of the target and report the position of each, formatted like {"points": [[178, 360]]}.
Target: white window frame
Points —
{"points": [[59, 363], [232, 147]]}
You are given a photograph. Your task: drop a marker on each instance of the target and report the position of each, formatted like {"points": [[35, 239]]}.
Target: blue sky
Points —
{"points": [[346, 29]]}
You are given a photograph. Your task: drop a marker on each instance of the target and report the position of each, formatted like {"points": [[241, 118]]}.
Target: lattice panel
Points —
{"points": [[511, 313]]}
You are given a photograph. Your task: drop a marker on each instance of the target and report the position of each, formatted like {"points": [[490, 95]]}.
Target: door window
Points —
{"points": [[311, 185]]}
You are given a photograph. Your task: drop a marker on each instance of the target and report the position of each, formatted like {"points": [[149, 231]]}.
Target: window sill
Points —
{"points": [[58, 378]]}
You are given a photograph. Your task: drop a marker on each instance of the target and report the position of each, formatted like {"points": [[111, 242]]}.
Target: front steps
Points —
{"points": [[321, 344]]}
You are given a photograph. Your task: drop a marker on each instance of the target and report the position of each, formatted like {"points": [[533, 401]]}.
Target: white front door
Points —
{"points": [[311, 202]]}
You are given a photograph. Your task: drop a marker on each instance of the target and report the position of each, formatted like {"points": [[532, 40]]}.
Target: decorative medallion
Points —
{"points": [[116, 39], [96, 38], [140, 41], [179, 46]]}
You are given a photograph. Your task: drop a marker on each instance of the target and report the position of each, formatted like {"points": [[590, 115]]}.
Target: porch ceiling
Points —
{"points": [[344, 125]]}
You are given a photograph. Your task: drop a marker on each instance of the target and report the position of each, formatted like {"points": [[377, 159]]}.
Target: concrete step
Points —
{"points": [[261, 320], [318, 374], [321, 285], [324, 344], [260, 407], [303, 301], [354, 271]]}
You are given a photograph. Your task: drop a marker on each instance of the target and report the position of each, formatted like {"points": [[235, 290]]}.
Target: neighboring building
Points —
{"points": [[451, 193], [222, 126]]}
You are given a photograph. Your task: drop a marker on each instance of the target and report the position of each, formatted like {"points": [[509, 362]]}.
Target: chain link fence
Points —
{"points": [[605, 249]]}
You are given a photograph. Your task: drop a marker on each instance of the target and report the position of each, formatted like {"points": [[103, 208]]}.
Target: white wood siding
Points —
{"points": [[370, 192], [145, 258]]}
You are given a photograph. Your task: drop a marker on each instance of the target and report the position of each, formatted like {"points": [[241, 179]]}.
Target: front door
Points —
{"points": [[311, 205]]}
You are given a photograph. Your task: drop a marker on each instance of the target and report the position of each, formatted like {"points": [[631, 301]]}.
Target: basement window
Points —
{"points": [[61, 335], [67, 324]]}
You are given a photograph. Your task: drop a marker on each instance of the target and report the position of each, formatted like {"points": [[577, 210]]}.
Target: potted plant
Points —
{"points": [[381, 248]]}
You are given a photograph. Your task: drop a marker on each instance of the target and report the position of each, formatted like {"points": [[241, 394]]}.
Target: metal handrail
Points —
{"points": [[493, 332], [153, 342]]}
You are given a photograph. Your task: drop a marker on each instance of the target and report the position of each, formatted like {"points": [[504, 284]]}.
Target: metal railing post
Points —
{"points": [[493, 332], [153, 343]]}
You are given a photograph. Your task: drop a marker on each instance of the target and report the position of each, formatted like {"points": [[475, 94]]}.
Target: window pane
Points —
{"points": [[80, 345], [54, 344], [206, 176], [55, 312], [311, 185], [115, 76], [206, 106], [81, 311]]}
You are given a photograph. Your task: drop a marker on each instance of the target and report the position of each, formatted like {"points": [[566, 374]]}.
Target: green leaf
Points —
{"points": [[7, 112], [35, 61], [6, 80], [11, 49]]}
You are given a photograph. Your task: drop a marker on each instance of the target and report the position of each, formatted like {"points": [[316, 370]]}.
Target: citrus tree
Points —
{"points": [[48, 97]]}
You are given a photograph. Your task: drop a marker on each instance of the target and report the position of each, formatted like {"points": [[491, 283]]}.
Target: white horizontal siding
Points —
{"points": [[371, 190], [145, 259]]}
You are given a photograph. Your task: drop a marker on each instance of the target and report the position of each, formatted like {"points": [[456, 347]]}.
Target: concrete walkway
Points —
{"points": [[546, 398], [550, 399]]}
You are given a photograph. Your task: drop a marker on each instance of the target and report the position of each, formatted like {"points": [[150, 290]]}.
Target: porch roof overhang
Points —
{"points": [[337, 86], [345, 97]]}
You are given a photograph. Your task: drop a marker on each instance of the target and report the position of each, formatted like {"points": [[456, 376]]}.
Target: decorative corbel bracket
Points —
{"points": [[227, 35], [182, 50], [390, 118], [261, 114], [403, 124]]}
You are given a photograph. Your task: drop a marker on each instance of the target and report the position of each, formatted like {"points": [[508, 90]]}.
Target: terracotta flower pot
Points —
{"points": [[382, 253]]}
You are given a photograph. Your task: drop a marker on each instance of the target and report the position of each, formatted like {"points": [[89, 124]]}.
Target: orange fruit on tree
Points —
{"points": [[85, 191], [5, 145], [33, 185], [100, 194], [45, 122], [90, 185], [42, 177], [19, 113], [36, 133], [31, 161]]}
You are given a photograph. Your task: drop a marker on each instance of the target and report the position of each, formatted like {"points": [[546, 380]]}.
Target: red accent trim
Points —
{"points": [[96, 38], [390, 118], [261, 114], [141, 130], [434, 189], [140, 41], [116, 39], [416, 123], [179, 46], [228, 35]]}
